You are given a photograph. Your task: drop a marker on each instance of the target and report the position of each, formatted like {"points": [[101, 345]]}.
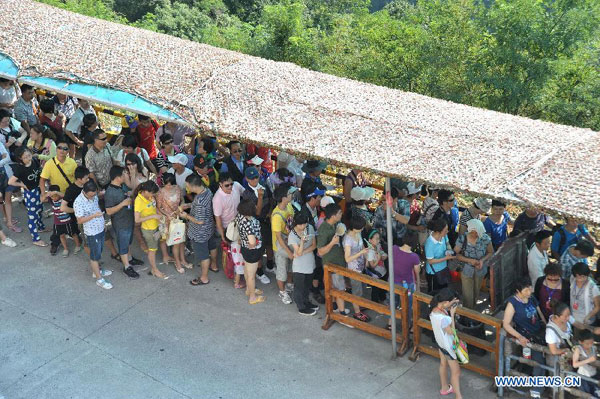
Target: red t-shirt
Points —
{"points": [[56, 124], [146, 136]]}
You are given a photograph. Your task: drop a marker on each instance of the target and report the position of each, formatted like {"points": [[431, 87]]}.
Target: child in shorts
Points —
{"points": [[63, 222]]}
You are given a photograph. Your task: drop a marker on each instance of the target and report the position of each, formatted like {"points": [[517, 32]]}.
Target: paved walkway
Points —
{"points": [[61, 336]]}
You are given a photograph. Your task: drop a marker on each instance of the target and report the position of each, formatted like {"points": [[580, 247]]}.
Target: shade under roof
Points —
{"points": [[283, 106]]}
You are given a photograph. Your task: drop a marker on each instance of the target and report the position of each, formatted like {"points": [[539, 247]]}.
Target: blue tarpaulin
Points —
{"points": [[109, 97]]}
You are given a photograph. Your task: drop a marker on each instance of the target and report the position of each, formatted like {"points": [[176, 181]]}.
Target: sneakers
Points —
{"points": [[289, 287], [53, 250], [264, 279], [313, 306], [65, 253], [269, 269], [346, 313], [104, 273], [76, 250], [9, 242], [102, 283], [131, 273], [285, 297], [136, 262], [307, 312]]}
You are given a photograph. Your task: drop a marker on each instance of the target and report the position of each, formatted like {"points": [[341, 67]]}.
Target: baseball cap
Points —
{"points": [[181, 159], [326, 200], [316, 193], [292, 190], [251, 173], [256, 160]]}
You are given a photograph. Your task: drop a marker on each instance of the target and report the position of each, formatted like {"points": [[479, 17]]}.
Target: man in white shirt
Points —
{"points": [[537, 259], [88, 213], [178, 168]]}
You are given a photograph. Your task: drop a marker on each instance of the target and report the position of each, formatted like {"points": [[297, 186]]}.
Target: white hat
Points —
{"points": [[283, 159], [181, 159], [476, 225], [326, 200], [483, 204], [412, 188], [256, 160], [362, 193]]}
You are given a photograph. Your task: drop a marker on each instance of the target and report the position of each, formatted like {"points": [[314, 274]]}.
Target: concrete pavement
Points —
{"points": [[61, 336]]}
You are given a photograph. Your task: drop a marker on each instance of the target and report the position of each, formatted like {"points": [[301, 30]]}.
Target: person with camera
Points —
{"points": [[443, 308]]}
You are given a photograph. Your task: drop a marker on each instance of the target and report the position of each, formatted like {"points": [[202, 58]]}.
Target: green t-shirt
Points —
{"points": [[336, 254]]}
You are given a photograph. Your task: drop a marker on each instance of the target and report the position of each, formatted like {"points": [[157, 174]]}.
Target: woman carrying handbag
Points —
{"points": [[168, 201], [437, 254]]}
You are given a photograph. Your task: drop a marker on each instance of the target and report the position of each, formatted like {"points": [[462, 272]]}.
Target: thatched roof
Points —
{"points": [[283, 106]]}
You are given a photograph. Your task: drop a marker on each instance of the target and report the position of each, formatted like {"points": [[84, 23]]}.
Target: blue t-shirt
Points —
{"points": [[436, 250], [526, 318], [570, 238], [497, 232]]}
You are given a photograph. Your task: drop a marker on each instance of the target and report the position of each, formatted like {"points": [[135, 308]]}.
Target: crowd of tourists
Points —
{"points": [[172, 189]]}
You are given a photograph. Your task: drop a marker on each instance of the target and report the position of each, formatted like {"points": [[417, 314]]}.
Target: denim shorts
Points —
{"points": [[96, 245], [202, 249], [124, 240]]}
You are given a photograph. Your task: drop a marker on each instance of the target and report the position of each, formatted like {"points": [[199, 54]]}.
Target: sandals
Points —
{"points": [[256, 292], [180, 270], [159, 277], [40, 243], [239, 286], [447, 392], [197, 281], [258, 299], [214, 271], [362, 317], [187, 265], [16, 229]]}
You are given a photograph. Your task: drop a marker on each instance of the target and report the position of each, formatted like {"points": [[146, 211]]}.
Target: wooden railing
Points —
{"points": [[332, 293], [419, 323]]}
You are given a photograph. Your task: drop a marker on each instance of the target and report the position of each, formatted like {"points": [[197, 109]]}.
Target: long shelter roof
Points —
{"points": [[284, 106]]}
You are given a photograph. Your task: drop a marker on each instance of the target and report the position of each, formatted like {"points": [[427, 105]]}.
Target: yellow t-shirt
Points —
{"points": [[278, 222], [51, 173], [146, 208]]}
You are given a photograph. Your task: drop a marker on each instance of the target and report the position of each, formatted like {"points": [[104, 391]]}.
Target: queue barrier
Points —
{"points": [[507, 356], [566, 370], [332, 293], [420, 323]]}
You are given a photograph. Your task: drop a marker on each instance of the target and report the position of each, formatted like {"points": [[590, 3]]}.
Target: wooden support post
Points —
{"points": [[328, 301]]}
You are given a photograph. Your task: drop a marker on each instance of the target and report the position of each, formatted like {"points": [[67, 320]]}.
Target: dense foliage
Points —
{"points": [[536, 58]]}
